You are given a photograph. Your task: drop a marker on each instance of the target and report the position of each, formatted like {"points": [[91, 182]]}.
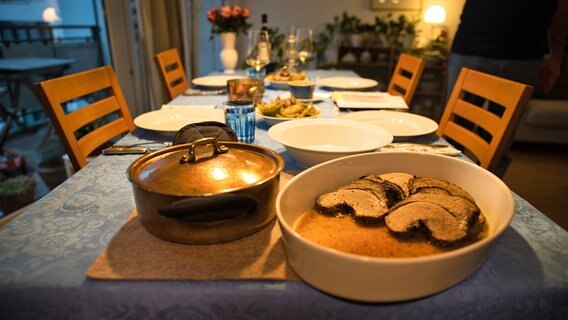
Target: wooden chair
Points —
{"points": [[482, 114], [110, 106], [172, 72], [406, 76]]}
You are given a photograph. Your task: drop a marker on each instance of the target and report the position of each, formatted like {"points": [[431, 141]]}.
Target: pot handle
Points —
{"points": [[190, 156], [211, 209]]}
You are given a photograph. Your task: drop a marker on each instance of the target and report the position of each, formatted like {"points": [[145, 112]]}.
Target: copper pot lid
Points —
{"points": [[205, 167]]}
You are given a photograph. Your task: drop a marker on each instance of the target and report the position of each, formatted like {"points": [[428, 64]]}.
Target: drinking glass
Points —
{"points": [[241, 118], [258, 53], [304, 45]]}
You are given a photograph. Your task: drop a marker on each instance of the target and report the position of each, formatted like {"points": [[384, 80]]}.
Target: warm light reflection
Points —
{"points": [[219, 174], [435, 15], [249, 177]]}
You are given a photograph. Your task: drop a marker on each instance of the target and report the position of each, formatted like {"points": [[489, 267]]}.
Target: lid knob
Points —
{"points": [[190, 156]]}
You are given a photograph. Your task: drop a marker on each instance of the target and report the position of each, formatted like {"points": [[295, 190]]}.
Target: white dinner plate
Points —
{"points": [[216, 81], [171, 120], [399, 124], [275, 120], [317, 97], [347, 83]]}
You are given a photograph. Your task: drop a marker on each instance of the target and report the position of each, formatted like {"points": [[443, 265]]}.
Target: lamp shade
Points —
{"points": [[435, 14], [50, 15]]}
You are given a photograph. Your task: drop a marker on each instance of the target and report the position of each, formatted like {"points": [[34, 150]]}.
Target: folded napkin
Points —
{"points": [[424, 148], [368, 100]]}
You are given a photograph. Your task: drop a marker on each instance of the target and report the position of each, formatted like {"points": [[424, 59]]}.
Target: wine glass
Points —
{"points": [[258, 53], [304, 45]]}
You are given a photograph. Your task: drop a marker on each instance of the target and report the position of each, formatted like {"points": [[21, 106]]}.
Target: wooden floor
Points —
{"points": [[539, 174]]}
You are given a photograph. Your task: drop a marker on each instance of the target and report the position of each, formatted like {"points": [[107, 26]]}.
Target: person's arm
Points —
{"points": [[557, 34]]}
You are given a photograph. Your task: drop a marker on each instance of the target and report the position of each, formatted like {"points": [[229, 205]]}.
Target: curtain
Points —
{"points": [[162, 25]]}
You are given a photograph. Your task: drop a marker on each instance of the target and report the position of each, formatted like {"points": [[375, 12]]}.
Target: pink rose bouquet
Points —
{"points": [[228, 19]]}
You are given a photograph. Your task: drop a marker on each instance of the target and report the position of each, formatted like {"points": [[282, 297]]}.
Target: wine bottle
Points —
{"points": [[264, 22], [270, 67]]}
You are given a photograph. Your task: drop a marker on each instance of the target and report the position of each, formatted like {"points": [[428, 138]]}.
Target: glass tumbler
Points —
{"points": [[241, 118]]}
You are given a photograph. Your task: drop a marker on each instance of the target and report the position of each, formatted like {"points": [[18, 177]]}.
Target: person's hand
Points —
{"points": [[548, 76]]}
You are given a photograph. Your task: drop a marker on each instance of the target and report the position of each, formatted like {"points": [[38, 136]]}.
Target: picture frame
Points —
{"points": [[393, 5]]}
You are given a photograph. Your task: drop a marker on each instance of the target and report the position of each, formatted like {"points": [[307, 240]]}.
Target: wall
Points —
{"points": [[77, 12], [313, 14]]}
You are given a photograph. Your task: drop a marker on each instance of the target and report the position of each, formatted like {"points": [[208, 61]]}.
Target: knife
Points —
{"points": [[191, 92], [126, 150]]}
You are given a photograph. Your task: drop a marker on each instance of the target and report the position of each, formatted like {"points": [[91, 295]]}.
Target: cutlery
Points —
{"points": [[191, 92], [120, 150], [166, 144], [134, 148]]}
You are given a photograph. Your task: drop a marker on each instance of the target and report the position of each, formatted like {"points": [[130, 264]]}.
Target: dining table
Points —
{"points": [[47, 250]]}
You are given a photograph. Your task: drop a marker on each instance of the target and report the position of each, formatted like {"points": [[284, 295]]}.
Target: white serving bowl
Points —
{"points": [[373, 279], [313, 141], [275, 120]]}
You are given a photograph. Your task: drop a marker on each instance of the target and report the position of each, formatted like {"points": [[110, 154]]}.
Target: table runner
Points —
{"points": [[135, 254]]}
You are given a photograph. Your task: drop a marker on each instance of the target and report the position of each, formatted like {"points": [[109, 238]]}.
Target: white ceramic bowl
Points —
{"points": [[373, 279], [313, 141], [274, 120]]}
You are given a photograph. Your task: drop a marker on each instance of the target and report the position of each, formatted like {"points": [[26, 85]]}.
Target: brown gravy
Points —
{"points": [[343, 234]]}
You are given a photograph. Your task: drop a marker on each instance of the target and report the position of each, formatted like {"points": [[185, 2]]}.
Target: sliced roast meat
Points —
{"points": [[362, 204], [433, 185], [465, 211], [442, 210], [401, 179], [375, 187], [392, 192], [440, 225]]}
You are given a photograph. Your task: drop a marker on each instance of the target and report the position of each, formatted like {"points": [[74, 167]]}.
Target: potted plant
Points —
{"points": [[327, 41], [380, 29], [50, 162], [349, 29], [410, 32], [52, 171], [325, 44], [367, 33], [16, 192]]}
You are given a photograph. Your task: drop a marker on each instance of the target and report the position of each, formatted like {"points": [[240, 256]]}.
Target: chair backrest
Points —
{"points": [[106, 107], [406, 76], [482, 114], [172, 72]]}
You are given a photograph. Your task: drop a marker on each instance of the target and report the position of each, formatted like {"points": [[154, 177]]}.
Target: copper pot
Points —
{"points": [[206, 192]]}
